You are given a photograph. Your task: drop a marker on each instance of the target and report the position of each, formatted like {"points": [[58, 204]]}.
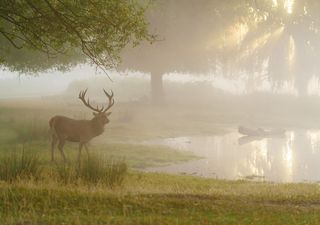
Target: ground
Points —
{"points": [[140, 198], [161, 199]]}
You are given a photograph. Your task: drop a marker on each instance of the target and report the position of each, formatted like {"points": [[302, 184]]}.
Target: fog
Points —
{"points": [[21, 85], [159, 112], [214, 68]]}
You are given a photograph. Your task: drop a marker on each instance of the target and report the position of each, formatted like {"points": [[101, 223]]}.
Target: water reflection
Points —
{"points": [[293, 157]]}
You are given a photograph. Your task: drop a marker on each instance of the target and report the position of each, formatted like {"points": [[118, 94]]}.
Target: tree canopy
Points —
{"points": [[275, 41], [38, 35], [188, 30], [267, 40]]}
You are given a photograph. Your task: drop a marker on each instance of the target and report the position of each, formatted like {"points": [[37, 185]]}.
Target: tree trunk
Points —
{"points": [[157, 93]]}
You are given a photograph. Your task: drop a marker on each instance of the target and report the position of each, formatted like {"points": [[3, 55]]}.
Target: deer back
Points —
{"points": [[71, 129]]}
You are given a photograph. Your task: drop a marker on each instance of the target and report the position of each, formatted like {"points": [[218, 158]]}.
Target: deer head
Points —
{"points": [[100, 114]]}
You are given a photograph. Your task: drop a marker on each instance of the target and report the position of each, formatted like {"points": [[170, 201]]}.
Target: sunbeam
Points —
{"points": [[288, 5], [291, 52]]}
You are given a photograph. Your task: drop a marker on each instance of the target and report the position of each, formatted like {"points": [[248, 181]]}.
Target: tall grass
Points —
{"points": [[27, 166], [95, 170], [31, 130], [66, 174], [19, 166], [115, 171]]}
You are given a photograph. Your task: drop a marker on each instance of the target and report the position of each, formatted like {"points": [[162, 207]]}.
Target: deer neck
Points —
{"points": [[97, 127]]}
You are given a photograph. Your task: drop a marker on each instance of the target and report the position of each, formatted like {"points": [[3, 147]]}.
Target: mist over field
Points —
{"points": [[159, 112]]}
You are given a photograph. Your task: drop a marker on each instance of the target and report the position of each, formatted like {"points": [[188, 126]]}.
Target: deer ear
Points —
{"points": [[95, 114], [109, 113]]}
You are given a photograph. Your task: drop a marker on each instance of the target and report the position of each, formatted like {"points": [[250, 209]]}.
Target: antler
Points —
{"points": [[82, 95], [111, 100]]}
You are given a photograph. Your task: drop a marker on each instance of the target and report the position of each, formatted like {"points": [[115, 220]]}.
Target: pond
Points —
{"points": [[293, 157]]}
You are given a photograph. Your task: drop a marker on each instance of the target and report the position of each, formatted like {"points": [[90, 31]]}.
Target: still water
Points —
{"points": [[293, 157]]}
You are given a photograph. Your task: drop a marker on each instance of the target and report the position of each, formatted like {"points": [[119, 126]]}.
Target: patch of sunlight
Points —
{"points": [[258, 157], [292, 51], [275, 3], [278, 32], [288, 5], [314, 137], [257, 43], [262, 41], [231, 38], [287, 87], [242, 30], [261, 148], [313, 87], [236, 34], [234, 86], [288, 157], [252, 165]]}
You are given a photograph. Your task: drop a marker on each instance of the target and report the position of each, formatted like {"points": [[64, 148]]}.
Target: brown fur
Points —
{"points": [[66, 129]]}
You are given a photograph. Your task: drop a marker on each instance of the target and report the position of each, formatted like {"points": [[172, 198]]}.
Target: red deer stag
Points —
{"points": [[66, 129]]}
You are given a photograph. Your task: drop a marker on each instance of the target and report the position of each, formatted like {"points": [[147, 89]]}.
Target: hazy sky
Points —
{"points": [[15, 85], [50, 83]]}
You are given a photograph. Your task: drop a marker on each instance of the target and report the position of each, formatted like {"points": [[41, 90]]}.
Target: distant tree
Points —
{"points": [[271, 40], [280, 42], [36, 35], [186, 31]]}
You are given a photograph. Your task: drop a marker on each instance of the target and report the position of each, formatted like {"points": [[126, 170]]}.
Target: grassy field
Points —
{"points": [[160, 199], [108, 190]]}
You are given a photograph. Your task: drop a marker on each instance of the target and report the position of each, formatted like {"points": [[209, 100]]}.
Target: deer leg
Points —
{"points": [[79, 154], [60, 147], [53, 145], [87, 150]]}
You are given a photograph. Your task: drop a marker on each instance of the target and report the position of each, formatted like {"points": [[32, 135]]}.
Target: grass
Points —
{"points": [[140, 156], [30, 130], [25, 166], [19, 166], [105, 191], [29, 127], [95, 171], [135, 156], [161, 199]]}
